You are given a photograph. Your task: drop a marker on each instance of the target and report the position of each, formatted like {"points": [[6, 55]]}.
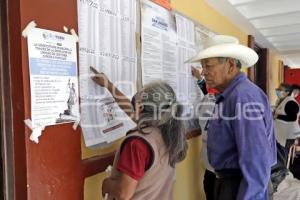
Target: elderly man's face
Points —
{"points": [[217, 74]]}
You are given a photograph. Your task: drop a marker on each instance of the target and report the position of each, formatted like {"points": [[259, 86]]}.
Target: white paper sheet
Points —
{"points": [[159, 40], [188, 91], [201, 34], [53, 77], [107, 42]]}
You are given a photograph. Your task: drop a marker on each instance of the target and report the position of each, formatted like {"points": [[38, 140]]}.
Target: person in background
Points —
{"points": [[204, 112], [296, 90], [241, 143], [296, 95], [286, 114], [144, 166], [278, 171]]}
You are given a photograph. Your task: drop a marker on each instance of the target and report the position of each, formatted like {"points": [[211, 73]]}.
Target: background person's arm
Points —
{"points": [[196, 72]]}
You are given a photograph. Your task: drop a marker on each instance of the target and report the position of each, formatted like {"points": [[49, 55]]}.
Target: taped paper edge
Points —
{"points": [[28, 123], [66, 29], [36, 131], [75, 125], [73, 32], [31, 25]]}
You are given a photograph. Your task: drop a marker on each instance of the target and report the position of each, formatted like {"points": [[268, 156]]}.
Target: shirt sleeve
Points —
{"points": [[254, 152], [202, 85], [135, 158]]}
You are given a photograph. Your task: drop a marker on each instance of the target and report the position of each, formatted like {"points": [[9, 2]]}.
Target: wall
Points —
{"points": [[200, 11], [274, 75], [189, 173], [291, 75]]}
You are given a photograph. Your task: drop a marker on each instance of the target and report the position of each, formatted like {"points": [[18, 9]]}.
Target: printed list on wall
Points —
{"points": [[106, 42], [168, 40], [159, 51]]}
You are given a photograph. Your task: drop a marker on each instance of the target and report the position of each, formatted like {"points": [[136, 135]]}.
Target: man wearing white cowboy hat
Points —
{"points": [[241, 143]]}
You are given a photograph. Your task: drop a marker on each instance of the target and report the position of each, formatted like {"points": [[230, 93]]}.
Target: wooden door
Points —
{"points": [[54, 168], [6, 111]]}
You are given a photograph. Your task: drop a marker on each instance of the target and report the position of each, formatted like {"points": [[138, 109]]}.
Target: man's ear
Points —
{"points": [[231, 67], [141, 108]]}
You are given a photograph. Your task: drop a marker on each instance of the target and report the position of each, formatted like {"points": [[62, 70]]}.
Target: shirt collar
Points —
{"points": [[238, 79]]}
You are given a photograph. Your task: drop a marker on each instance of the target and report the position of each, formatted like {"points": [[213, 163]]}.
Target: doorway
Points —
{"points": [[258, 74]]}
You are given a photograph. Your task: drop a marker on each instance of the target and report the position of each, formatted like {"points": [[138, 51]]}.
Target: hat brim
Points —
{"points": [[248, 57]]}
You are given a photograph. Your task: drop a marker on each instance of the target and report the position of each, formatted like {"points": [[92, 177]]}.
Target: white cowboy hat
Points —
{"points": [[226, 46]]}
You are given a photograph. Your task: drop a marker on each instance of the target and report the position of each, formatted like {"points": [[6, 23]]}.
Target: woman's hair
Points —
{"points": [[288, 88], [296, 87], [160, 109]]}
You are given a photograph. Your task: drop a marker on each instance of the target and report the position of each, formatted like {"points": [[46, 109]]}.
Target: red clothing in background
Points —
{"points": [[298, 100], [212, 91]]}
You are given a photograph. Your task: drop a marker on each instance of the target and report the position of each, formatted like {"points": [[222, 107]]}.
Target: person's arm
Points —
{"points": [[291, 109], [254, 151], [124, 103], [135, 158], [202, 85], [200, 79], [119, 188]]}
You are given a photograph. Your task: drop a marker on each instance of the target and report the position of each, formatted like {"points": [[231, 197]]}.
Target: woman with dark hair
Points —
{"points": [[295, 94], [296, 90], [144, 166], [286, 115]]}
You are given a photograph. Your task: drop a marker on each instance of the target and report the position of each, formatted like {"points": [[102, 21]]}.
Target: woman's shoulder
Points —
{"points": [[150, 134]]}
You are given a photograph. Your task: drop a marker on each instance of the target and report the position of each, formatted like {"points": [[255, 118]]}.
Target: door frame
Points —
{"points": [[258, 74], [6, 122], [251, 70], [13, 148]]}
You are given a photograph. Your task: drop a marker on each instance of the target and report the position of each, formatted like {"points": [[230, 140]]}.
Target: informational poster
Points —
{"points": [[106, 42], [53, 77], [159, 40]]}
